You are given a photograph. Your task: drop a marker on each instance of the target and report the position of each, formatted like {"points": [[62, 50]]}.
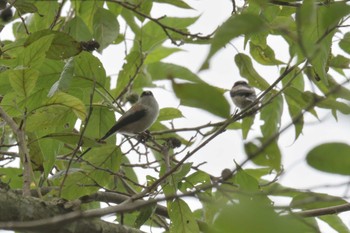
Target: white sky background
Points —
{"points": [[225, 148]]}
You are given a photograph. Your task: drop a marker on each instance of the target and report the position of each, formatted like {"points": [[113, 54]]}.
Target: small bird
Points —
{"points": [[138, 118], [242, 94]]}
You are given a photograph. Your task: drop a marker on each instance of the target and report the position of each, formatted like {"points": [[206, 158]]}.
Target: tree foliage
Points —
{"points": [[57, 101]]}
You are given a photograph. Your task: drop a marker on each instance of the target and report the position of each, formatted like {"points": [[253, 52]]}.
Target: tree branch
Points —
{"points": [[325, 211], [22, 149], [165, 28], [22, 210]]}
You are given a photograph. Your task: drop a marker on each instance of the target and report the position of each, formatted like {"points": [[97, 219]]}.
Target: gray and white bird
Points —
{"points": [[242, 94], [138, 118]]}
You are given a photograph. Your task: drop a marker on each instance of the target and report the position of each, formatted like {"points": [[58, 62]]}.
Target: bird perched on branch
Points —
{"points": [[242, 94], [138, 118]]}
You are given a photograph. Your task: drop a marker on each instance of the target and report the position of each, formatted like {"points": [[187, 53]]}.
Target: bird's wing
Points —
{"points": [[129, 117]]}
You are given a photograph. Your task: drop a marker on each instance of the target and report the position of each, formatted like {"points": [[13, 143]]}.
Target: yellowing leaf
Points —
{"points": [[23, 81], [35, 53], [69, 101]]}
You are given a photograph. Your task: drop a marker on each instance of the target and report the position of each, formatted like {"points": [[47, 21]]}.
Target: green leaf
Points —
{"points": [[12, 176], [55, 114], [78, 29], [239, 24], [196, 181], [15, 105], [164, 71], [153, 35], [341, 92], [49, 149], [144, 7], [47, 11], [306, 17], [295, 105], [270, 156], [101, 120], [73, 139], [70, 102], [317, 25], [25, 7], [49, 73], [132, 62], [166, 114], [335, 222], [129, 18], [246, 182], [86, 11], [179, 175], [34, 55], [36, 156], [64, 82], [177, 3], [176, 179], [238, 218], [263, 54], [145, 214], [339, 61], [319, 60], [294, 79], [247, 71], [329, 103], [344, 43], [311, 200], [62, 46], [192, 95], [109, 159], [330, 157], [271, 114], [106, 27], [121, 184], [77, 184], [23, 81], [159, 53], [333, 14], [257, 173], [5, 85], [182, 218], [88, 69], [247, 123]]}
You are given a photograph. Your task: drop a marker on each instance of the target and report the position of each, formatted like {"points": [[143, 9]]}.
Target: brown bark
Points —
{"points": [[16, 210]]}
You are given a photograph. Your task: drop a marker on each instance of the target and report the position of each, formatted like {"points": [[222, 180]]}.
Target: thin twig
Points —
{"points": [[80, 142], [58, 14]]}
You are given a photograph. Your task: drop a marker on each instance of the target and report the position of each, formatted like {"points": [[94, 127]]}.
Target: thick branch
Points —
{"points": [[26, 213]]}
